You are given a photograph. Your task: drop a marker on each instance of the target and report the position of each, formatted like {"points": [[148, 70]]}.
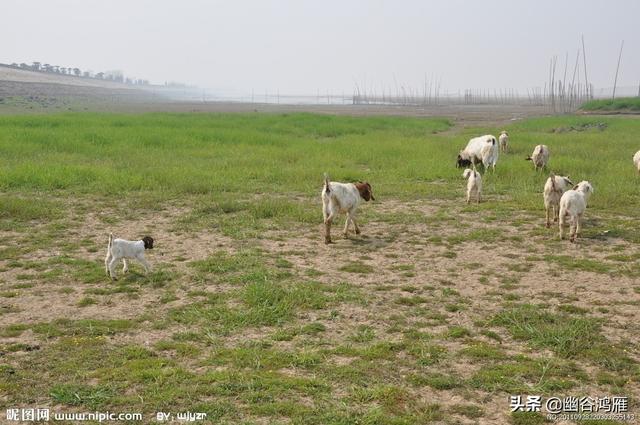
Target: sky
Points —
{"points": [[311, 46]]}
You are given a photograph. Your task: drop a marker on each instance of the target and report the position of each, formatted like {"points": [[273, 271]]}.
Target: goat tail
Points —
{"points": [[326, 183], [528, 158]]}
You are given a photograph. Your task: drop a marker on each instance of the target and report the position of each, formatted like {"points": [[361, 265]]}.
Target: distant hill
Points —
{"points": [[24, 76]]}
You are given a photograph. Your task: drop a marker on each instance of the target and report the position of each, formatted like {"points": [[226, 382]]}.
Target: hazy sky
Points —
{"points": [[299, 46]]}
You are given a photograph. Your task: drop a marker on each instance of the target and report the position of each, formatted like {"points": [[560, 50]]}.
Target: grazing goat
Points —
{"points": [[539, 157], [553, 190], [474, 183], [123, 249], [503, 140], [573, 203], [636, 161], [483, 149], [343, 198]]}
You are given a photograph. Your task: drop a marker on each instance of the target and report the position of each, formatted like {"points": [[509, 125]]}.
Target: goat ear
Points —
{"points": [[370, 191], [575, 187]]}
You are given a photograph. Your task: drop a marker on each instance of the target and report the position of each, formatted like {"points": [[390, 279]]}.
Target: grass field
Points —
{"points": [[607, 105], [437, 313]]}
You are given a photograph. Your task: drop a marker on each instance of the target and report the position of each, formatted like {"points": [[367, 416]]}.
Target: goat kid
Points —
{"points": [[474, 183], [553, 190], [503, 141], [118, 249], [573, 203], [343, 198]]}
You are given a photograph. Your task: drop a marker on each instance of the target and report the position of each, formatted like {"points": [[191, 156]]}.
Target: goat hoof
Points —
{"points": [[548, 225], [358, 232], [328, 241]]}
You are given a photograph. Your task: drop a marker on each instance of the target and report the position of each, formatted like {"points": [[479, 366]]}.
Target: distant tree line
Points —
{"points": [[116, 76]]}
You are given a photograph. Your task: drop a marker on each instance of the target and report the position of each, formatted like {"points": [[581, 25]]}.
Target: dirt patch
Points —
{"points": [[582, 127], [415, 285]]}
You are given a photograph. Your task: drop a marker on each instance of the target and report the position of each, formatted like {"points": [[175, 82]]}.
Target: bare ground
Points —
{"points": [[409, 279]]}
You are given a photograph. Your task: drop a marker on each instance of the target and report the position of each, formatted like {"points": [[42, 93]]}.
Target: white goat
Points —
{"points": [[539, 157], [573, 203], [636, 161], [553, 190], [123, 249], [479, 149], [503, 140], [343, 198], [474, 183]]}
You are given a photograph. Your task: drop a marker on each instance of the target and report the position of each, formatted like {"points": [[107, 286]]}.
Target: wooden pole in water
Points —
{"points": [[615, 81], [553, 85], [573, 81], [564, 81], [550, 82], [424, 93], [584, 59]]}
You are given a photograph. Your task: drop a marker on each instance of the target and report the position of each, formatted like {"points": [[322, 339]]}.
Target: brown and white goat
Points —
{"points": [[340, 198]]}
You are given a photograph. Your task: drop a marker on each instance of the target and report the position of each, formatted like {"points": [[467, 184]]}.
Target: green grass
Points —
{"points": [[620, 104], [247, 153], [279, 154], [521, 374], [528, 418], [358, 267], [567, 335], [16, 212]]}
